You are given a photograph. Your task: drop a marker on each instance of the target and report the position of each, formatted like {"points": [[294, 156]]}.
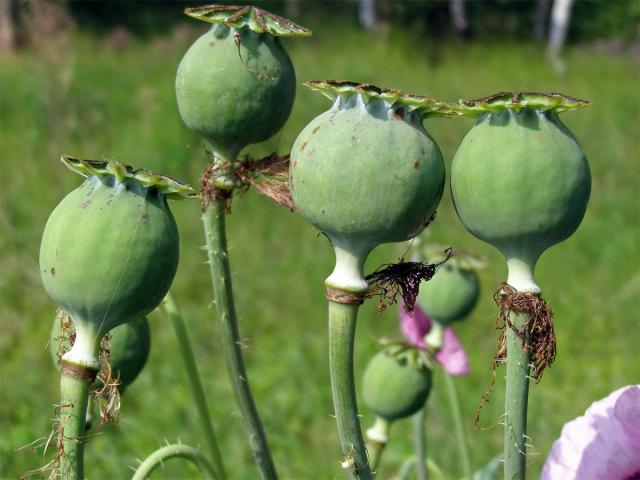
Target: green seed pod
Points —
{"points": [[366, 172], [396, 385], [236, 84], [519, 179], [109, 250], [129, 348], [453, 291]]}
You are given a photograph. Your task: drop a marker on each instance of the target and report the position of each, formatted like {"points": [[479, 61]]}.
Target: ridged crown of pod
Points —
{"points": [[519, 179], [109, 250], [396, 382], [453, 291], [366, 172], [129, 348], [236, 84]]}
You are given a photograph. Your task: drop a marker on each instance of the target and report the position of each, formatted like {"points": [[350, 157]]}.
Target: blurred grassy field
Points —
{"points": [[94, 101]]}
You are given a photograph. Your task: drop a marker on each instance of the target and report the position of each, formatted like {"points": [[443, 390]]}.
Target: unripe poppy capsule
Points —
{"points": [[109, 250], [396, 385], [453, 291], [366, 172], [520, 180], [129, 348], [236, 84]]}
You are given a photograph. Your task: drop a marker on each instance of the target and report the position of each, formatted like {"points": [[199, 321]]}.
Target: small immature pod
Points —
{"points": [[453, 291], [396, 384], [236, 84], [109, 250], [129, 348], [366, 172], [520, 180]]}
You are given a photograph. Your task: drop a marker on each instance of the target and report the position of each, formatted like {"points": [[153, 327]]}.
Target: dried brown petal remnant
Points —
{"points": [[402, 278], [537, 333], [108, 392]]}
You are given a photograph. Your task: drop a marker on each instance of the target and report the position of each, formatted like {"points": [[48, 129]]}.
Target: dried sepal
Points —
{"points": [[165, 185], [254, 18], [556, 102], [396, 99]]}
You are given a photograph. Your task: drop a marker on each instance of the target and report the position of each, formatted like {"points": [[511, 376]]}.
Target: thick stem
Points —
{"points": [[216, 244], [199, 397], [74, 396], [454, 403], [342, 326], [420, 431], [516, 397], [377, 439], [171, 451]]}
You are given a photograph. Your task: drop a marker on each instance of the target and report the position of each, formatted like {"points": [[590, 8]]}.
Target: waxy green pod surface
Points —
{"points": [[520, 180], [366, 172], [129, 348], [109, 250], [236, 84], [396, 386]]}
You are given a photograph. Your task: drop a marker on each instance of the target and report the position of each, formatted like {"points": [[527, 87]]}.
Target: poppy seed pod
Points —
{"points": [[366, 172], [236, 84], [109, 250], [396, 384], [453, 291], [129, 348], [519, 179]]}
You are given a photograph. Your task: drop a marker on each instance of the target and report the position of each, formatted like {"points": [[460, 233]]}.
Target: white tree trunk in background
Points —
{"points": [[7, 26], [540, 21], [560, 18], [459, 17], [367, 14]]}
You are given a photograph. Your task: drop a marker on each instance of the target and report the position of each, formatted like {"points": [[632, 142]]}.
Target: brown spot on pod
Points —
{"points": [[416, 164], [53, 271], [399, 114], [85, 204], [302, 147], [316, 129]]}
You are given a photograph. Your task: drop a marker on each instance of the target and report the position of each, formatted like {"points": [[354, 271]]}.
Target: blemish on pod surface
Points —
{"points": [[236, 84], [520, 180]]}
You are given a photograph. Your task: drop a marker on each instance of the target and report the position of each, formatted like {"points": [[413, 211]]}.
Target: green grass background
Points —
{"points": [[93, 101]]}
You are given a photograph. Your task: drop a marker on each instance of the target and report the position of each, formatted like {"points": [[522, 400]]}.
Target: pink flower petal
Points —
{"points": [[604, 443], [415, 325], [452, 356]]}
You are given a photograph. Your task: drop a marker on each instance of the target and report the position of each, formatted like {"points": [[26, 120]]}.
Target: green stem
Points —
{"points": [[342, 326], [516, 397], [171, 451], [454, 403], [420, 424], [432, 467], [213, 219], [199, 397], [74, 397]]}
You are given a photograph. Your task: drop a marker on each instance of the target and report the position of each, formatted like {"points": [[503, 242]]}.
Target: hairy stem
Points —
{"points": [[516, 397], [171, 451], [74, 397], [199, 397], [420, 428], [213, 219], [342, 326], [454, 403]]}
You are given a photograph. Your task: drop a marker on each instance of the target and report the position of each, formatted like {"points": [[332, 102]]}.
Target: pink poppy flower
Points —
{"points": [[415, 325], [603, 444]]}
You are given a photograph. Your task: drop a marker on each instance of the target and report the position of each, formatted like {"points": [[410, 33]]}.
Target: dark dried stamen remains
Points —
{"points": [[268, 175], [109, 392], [402, 278], [537, 333]]}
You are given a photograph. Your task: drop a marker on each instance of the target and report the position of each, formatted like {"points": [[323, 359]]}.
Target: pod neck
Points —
{"points": [[521, 275], [379, 432], [86, 346], [348, 274], [434, 339]]}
